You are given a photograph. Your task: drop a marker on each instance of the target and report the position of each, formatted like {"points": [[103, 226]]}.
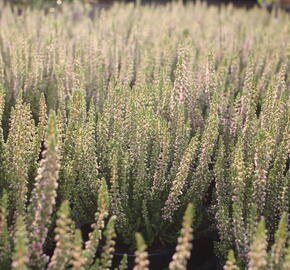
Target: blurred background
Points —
{"points": [[269, 4], [248, 3]]}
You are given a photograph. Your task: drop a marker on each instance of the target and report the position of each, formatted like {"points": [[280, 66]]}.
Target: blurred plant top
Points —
{"points": [[55, 3], [45, 3], [271, 2]]}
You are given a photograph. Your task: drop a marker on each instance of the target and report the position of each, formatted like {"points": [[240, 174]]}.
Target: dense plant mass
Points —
{"points": [[127, 118]]}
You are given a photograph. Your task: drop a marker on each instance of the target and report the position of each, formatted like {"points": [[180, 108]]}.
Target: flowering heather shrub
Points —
{"points": [[116, 117], [183, 248], [258, 257]]}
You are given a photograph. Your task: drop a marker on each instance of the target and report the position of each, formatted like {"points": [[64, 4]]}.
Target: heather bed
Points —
{"points": [[128, 118]]}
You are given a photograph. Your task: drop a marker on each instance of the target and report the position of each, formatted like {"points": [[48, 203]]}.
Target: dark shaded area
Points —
{"points": [[202, 256], [240, 3]]}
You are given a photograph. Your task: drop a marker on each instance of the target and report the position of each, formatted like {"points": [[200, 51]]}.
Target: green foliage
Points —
{"points": [[77, 260], [63, 237], [19, 156], [103, 114], [20, 255], [231, 262], [184, 246], [278, 249], [141, 260], [43, 196], [108, 249], [95, 236], [258, 249], [172, 203], [258, 256], [5, 239], [123, 263]]}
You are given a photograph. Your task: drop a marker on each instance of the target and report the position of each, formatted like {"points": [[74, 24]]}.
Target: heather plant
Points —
{"points": [[43, 196], [259, 255], [125, 120], [20, 256], [30, 233], [184, 246], [249, 190], [141, 260], [5, 239], [18, 155], [70, 254]]}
